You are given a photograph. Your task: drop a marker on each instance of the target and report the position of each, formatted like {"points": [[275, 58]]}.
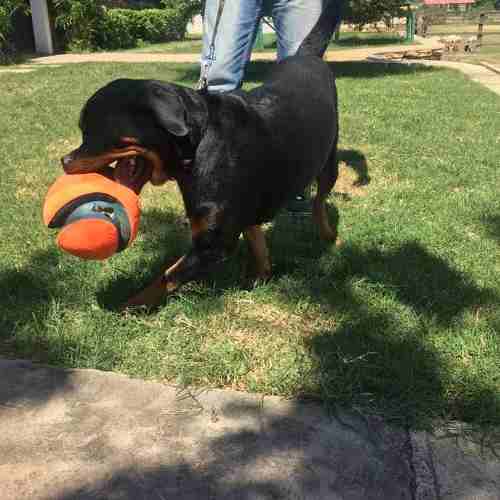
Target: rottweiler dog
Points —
{"points": [[237, 157]]}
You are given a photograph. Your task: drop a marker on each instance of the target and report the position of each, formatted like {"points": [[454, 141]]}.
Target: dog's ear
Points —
{"points": [[168, 108]]}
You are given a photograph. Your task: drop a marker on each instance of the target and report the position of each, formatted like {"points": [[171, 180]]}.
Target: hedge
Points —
{"points": [[124, 28], [89, 25]]}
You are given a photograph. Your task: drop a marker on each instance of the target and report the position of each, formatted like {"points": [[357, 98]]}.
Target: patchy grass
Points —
{"points": [[403, 319]]}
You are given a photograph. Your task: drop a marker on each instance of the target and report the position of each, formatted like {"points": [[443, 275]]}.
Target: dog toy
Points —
{"points": [[98, 216]]}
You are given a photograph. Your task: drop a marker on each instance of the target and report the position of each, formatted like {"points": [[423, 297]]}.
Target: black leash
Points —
{"points": [[203, 82]]}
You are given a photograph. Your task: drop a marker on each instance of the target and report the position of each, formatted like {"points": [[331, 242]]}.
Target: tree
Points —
{"points": [[361, 12], [189, 7]]}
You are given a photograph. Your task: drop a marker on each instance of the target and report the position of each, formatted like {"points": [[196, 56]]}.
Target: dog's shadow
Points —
{"points": [[357, 161]]}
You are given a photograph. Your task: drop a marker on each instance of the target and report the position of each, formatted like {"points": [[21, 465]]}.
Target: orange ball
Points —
{"points": [[98, 216]]}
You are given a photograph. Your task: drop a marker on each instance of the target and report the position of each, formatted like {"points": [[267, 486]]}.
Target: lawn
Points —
{"points": [[193, 44], [403, 319]]}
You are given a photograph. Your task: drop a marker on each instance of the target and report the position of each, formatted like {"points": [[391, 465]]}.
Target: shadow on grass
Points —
{"points": [[492, 225], [356, 41], [257, 71], [25, 304], [357, 161], [387, 303], [29, 291]]}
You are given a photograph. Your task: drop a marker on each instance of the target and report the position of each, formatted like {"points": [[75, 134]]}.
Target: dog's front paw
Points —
{"points": [[149, 298]]}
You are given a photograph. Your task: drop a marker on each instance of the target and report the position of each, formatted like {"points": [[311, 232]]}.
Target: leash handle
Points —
{"points": [[203, 82]]}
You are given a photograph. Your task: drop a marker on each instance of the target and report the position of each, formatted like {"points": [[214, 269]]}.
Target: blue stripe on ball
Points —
{"points": [[105, 210]]}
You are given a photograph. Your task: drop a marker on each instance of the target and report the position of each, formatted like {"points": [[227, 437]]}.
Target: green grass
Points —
{"points": [[193, 44], [403, 319]]}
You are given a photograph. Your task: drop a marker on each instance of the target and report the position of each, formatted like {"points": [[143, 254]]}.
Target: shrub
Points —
{"points": [[123, 28], [188, 8], [7, 9], [77, 22], [89, 25]]}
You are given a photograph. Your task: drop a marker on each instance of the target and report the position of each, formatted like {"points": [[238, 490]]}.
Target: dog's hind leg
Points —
{"points": [[258, 247], [326, 180]]}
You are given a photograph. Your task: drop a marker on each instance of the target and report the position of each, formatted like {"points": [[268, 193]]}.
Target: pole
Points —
{"points": [[410, 25], [41, 27], [482, 19]]}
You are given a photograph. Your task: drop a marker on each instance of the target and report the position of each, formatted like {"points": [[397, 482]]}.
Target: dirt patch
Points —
{"points": [[348, 182]]}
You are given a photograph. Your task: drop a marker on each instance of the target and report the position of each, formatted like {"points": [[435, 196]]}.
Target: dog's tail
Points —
{"points": [[317, 41]]}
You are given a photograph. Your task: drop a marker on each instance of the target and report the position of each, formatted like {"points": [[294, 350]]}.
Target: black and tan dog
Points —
{"points": [[237, 157]]}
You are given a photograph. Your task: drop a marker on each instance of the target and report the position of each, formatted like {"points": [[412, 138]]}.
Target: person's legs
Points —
{"points": [[233, 42], [294, 19]]}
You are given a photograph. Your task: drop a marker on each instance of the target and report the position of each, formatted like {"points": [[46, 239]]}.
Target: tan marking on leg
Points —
{"points": [[320, 216], [258, 246], [153, 294], [171, 286]]}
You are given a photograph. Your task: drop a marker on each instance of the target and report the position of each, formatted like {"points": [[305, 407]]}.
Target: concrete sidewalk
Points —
{"points": [[360, 54], [144, 57], [84, 434], [486, 74]]}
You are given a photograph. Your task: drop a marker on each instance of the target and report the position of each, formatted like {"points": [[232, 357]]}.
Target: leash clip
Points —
{"points": [[203, 81]]}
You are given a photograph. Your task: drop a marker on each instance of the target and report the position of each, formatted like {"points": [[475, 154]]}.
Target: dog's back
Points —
{"points": [[296, 114]]}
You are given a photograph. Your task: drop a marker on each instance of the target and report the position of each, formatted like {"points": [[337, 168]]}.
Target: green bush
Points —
{"points": [[189, 8], [8, 8], [88, 25], [123, 28], [77, 22]]}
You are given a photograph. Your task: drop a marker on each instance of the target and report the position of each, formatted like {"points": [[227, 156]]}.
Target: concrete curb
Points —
{"points": [[482, 74], [426, 484], [145, 57], [86, 434], [489, 66]]}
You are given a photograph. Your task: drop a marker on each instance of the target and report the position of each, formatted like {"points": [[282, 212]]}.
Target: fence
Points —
{"points": [[469, 31]]}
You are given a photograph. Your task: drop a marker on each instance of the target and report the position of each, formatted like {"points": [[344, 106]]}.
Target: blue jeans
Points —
{"points": [[293, 20]]}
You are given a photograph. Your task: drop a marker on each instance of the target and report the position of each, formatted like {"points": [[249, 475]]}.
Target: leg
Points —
{"points": [[326, 181], [257, 242], [153, 294], [233, 42], [294, 19], [209, 248]]}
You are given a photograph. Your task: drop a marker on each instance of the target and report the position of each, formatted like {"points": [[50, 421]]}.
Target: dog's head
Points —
{"points": [[135, 123]]}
